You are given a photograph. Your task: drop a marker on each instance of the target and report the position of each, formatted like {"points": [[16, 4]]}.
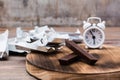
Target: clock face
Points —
{"points": [[94, 37]]}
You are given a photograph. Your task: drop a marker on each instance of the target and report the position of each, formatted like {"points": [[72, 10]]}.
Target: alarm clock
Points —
{"points": [[94, 35]]}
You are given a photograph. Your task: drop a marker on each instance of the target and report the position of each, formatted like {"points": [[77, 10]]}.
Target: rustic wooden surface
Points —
{"points": [[57, 12], [14, 67]]}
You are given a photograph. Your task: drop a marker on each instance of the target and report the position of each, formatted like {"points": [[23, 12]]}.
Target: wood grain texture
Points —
{"points": [[52, 75], [108, 61], [14, 67], [57, 12]]}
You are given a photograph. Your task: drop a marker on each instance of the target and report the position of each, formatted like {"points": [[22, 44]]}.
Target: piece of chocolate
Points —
{"points": [[77, 40], [22, 48], [53, 44], [40, 49], [88, 58], [68, 59], [14, 53]]}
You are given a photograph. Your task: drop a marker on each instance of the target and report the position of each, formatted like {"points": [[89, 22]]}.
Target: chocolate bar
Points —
{"points": [[15, 53], [88, 58], [68, 59], [77, 40]]}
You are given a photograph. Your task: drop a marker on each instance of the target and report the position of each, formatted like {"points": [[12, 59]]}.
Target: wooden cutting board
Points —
{"points": [[42, 74], [108, 62]]}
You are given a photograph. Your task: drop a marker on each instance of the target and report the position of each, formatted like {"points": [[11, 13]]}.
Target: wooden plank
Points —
{"points": [[14, 69]]}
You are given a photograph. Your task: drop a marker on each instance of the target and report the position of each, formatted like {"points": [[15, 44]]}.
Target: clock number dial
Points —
{"points": [[93, 37]]}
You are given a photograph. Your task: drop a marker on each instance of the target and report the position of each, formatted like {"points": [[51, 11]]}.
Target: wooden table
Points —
{"points": [[15, 69]]}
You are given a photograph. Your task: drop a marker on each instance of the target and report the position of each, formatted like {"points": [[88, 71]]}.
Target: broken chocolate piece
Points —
{"points": [[14, 53], [53, 44], [88, 58], [40, 49], [77, 40], [68, 59]]}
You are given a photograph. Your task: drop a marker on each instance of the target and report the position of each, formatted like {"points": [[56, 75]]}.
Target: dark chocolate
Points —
{"points": [[77, 40], [43, 49], [14, 53], [40, 49], [53, 44], [88, 58], [68, 59]]}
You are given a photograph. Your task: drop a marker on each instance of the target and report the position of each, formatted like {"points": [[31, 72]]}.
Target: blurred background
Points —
{"points": [[28, 13]]}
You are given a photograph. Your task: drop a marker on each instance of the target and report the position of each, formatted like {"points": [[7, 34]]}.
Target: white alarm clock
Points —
{"points": [[93, 35]]}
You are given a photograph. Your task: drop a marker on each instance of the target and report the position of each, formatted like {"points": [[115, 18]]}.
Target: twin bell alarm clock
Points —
{"points": [[94, 35]]}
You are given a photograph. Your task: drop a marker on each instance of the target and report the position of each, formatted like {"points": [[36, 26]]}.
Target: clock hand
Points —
{"points": [[93, 37], [93, 40], [91, 33]]}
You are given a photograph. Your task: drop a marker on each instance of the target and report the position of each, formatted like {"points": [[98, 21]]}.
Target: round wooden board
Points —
{"points": [[42, 74], [109, 61]]}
